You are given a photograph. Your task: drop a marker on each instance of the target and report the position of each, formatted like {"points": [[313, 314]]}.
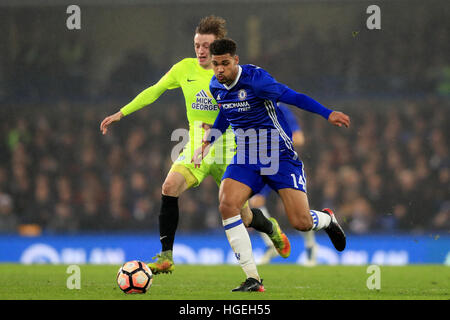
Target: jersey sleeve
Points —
{"points": [[266, 87], [304, 102], [149, 95]]}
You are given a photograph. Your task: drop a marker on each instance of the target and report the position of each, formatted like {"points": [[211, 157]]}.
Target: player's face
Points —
{"points": [[201, 46], [225, 68]]}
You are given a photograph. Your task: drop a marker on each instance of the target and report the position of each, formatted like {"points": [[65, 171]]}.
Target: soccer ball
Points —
{"points": [[134, 277]]}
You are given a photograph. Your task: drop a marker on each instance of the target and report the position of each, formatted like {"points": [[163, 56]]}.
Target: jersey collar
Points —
{"points": [[235, 80]]}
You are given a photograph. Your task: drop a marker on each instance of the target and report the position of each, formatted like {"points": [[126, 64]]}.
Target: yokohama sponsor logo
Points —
{"points": [[235, 105]]}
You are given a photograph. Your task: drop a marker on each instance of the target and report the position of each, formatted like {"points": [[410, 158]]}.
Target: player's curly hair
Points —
{"points": [[223, 46], [212, 25]]}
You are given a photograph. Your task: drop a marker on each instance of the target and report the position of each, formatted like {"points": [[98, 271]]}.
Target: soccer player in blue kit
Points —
{"points": [[259, 200], [247, 96]]}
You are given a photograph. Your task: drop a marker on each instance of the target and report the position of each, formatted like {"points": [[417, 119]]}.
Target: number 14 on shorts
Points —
{"points": [[301, 181]]}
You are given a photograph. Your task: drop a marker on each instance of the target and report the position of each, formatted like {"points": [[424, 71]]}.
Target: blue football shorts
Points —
{"points": [[290, 174]]}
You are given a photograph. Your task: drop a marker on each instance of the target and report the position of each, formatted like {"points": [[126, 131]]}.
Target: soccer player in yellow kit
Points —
{"points": [[193, 76]]}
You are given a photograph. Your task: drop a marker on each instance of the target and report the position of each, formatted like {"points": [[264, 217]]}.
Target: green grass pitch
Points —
{"points": [[195, 282]]}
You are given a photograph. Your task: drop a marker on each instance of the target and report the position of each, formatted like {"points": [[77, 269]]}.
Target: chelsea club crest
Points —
{"points": [[242, 94]]}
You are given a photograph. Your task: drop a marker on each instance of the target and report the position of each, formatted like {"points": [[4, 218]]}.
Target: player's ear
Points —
{"points": [[236, 59]]}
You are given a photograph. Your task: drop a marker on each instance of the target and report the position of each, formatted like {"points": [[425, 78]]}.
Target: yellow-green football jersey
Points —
{"points": [[200, 105]]}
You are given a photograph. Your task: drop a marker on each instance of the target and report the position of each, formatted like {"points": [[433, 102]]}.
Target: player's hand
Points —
{"points": [[339, 119], [205, 126], [110, 119], [200, 153]]}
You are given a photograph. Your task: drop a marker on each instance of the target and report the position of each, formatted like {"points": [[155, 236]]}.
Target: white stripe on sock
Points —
{"points": [[321, 220]]}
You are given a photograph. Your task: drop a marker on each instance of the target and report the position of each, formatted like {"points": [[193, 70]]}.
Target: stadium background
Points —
{"points": [[70, 195]]}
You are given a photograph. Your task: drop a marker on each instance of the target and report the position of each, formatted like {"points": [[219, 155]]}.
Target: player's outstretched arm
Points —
{"points": [[145, 98], [306, 103], [109, 120]]}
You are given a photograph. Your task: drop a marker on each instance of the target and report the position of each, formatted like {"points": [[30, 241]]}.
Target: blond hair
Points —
{"points": [[212, 25]]}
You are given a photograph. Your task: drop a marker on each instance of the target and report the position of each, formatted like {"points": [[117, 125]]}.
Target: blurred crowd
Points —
{"points": [[317, 48], [389, 172]]}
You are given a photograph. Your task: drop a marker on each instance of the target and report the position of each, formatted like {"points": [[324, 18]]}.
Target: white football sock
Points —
{"points": [[239, 240], [321, 220]]}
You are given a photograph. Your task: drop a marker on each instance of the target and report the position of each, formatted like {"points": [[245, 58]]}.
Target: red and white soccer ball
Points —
{"points": [[134, 277]]}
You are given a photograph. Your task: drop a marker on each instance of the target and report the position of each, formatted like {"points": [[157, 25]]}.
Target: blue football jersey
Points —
{"points": [[249, 105]]}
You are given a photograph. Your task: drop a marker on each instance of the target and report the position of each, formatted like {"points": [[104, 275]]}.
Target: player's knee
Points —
{"points": [[224, 207], [170, 188], [228, 209]]}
